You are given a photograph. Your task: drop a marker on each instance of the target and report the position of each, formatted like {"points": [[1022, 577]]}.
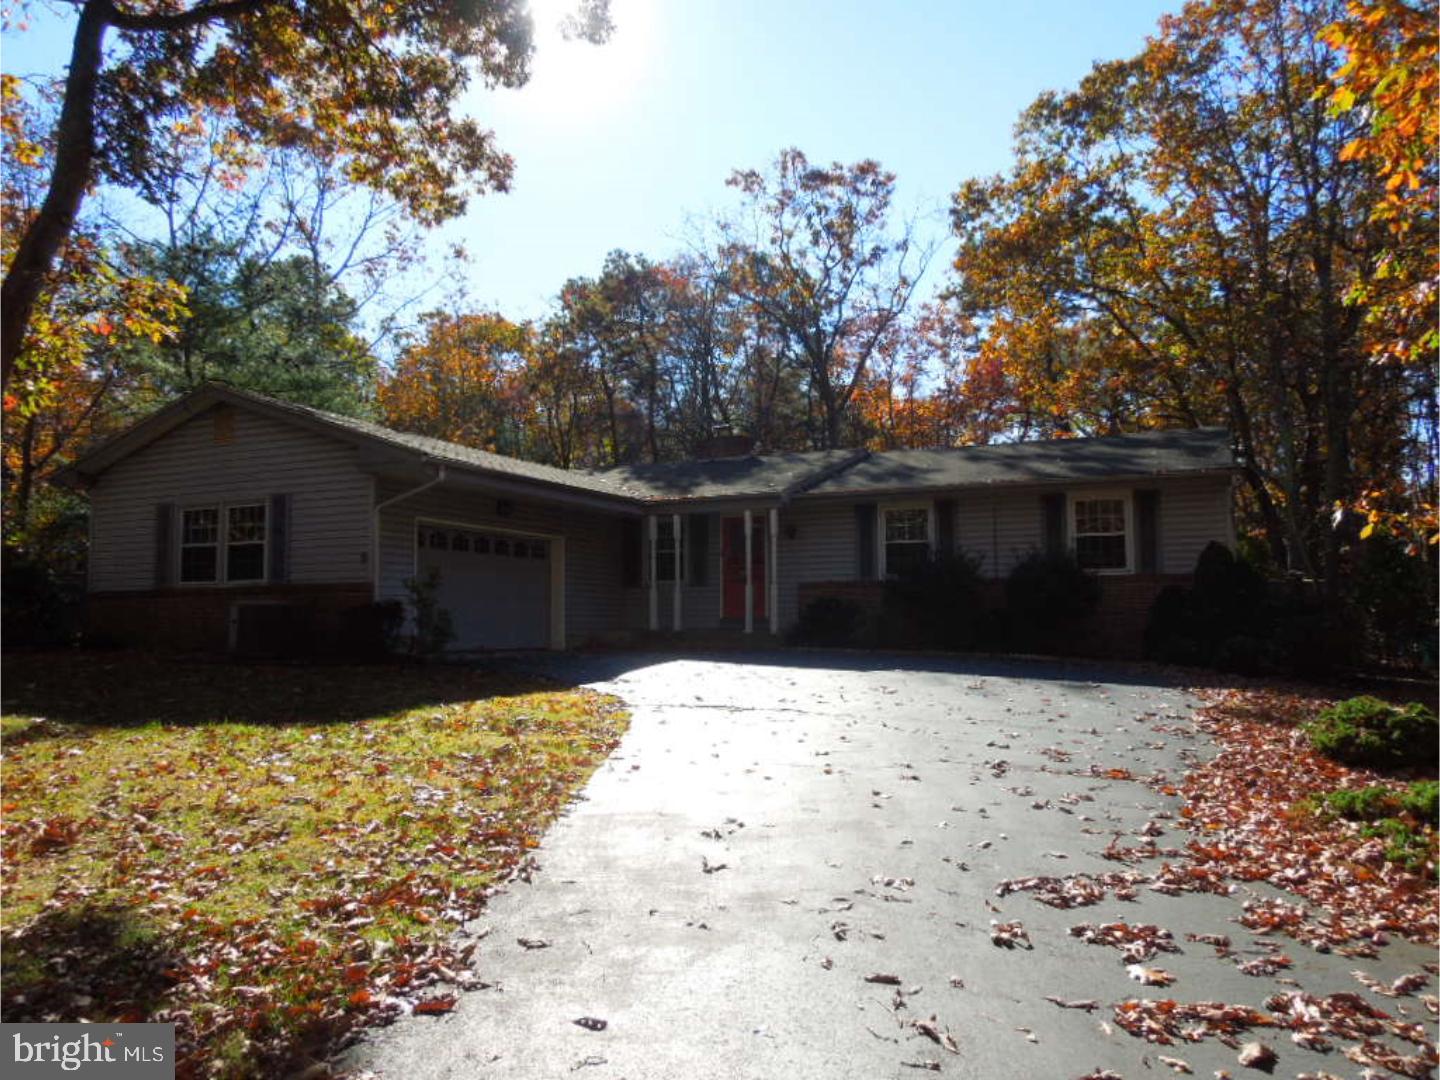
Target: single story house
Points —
{"points": [[216, 520]]}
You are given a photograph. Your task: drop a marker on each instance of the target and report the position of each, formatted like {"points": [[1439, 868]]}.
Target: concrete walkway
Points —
{"points": [[775, 829]]}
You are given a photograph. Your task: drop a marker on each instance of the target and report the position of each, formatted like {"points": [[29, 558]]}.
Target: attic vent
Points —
{"points": [[223, 420]]}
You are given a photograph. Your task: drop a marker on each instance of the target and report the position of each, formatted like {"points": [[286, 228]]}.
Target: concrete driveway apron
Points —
{"points": [[775, 829]]}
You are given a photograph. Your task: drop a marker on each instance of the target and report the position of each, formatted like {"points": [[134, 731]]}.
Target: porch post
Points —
{"points": [[772, 572], [654, 531], [749, 578], [679, 563]]}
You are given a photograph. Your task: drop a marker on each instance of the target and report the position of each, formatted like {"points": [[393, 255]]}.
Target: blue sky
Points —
{"points": [[628, 145]]}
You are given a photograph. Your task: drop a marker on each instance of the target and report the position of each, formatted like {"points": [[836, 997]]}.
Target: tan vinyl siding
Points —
{"points": [[1001, 528], [1192, 514], [824, 548], [592, 547], [254, 457]]}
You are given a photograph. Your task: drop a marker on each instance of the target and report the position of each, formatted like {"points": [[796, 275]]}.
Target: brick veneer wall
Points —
{"points": [[1116, 630], [198, 620]]}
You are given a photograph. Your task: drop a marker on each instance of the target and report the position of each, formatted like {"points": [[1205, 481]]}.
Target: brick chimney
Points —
{"points": [[725, 443]]}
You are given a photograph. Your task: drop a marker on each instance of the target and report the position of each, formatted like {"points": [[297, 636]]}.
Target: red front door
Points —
{"points": [[732, 557]]}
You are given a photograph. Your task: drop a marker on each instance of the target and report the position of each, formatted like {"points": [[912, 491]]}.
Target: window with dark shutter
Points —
{"points": [[944, 527], [865, 539], [698, 539], [1052, 508], [630, 552], [1147, 532], [279, 539], [164, 539]]}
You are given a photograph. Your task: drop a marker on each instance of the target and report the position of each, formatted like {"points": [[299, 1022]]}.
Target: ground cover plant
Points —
{"points": [[268, 856], [1367, 731]]}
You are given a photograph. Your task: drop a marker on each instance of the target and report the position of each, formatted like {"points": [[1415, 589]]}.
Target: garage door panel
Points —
{"points": [[496, 587]]}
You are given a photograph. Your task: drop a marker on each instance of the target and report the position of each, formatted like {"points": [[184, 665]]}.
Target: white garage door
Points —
{"points": [[496, 587]]}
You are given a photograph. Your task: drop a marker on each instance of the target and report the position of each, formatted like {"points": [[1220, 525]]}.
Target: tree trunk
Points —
{"points": [[71, 175]]}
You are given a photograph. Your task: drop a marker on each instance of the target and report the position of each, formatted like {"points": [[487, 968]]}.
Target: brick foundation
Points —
{"points": [[299, 620], [1115, 631]]}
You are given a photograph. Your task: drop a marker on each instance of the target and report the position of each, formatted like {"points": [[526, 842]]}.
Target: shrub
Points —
{"points": [[1422, 802], [1308, 638], [1404, 819], [372, 631], [1218, 621], [936, 603], [431, 626], [1412, 848], [1393, 595], [38, 605], [1048, 594], [1243, 655], [1367, 731], [1365, 804], [828, 621]]}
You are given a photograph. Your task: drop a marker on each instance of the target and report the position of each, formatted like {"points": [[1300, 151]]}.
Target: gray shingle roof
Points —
{"points": [[820, 472], [1150, 453], [450, 453], [771, 475]]}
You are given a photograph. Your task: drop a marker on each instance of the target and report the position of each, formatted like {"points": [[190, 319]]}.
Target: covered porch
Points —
{"points": [[718, 570]]}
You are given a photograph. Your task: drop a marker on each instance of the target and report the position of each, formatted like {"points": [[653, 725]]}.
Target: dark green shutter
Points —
{"points": [[164, 545], [1147, 532], [1053, 508], [865, 539], [945, 527], [630, 552], [699, 544], [278, 526]]}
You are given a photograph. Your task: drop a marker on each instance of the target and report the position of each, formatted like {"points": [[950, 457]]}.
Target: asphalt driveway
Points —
{"points": [[774, 830]]}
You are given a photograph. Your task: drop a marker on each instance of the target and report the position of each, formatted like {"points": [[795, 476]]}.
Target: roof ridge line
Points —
{"points": [[827, 472]]}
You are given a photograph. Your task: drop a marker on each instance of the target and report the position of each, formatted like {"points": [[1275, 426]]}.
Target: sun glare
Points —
{"points": [[576, 78]]}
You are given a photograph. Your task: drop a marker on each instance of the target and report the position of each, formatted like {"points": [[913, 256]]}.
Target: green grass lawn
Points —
{"points": [[266, 855]]}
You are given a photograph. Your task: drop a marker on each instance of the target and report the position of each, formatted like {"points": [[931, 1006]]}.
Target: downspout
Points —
{"points": [[438, 478]]}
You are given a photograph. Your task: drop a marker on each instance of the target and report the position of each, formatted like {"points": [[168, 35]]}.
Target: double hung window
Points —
{"points": [[223, 544], [906, 539], [1102, 540]]}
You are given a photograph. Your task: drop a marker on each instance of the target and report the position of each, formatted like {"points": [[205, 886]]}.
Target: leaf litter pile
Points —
{"points": [[267, 856], [1246, 811]]}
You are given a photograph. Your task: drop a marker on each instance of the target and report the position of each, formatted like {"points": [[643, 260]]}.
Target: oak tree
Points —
{"points": [[372, 83]]}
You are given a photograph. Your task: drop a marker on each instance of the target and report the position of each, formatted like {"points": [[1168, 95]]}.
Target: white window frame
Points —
{"points": [[222, 543], [1072, 533], [882, 545], [664, 523]]}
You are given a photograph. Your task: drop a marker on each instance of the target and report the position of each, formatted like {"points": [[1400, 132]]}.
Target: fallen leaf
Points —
{"points": [[1150, 976], [1256, 1055], [1088, 1004], [931, 1030], [1008, 935], [1175, 1063]]}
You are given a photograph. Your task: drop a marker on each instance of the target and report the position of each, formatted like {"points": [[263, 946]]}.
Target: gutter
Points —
{"points": [[438, 478]]}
